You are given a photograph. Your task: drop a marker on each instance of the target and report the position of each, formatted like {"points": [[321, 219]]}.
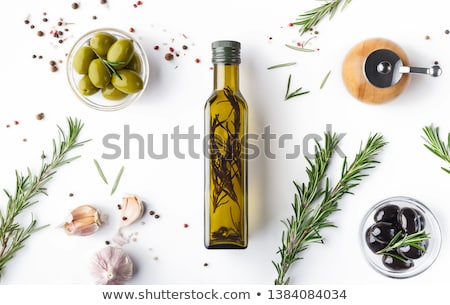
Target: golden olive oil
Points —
{"points": [[226, 120]]}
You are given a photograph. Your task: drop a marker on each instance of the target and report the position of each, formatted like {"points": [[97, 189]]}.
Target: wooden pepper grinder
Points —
{"points": [[377, 70]]}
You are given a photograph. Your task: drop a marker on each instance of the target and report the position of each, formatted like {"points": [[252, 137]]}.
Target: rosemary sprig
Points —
{"points": [[294, 93], [412, 240], [434, 144], [110, 65], [316, 200], [12, 233], [312, 17], [281, 65]]}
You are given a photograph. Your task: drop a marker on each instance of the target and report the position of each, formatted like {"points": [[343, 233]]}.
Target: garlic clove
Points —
{"points": [[80, 230], [132, 210], [86, 220], [112, 266], [83, 211]]}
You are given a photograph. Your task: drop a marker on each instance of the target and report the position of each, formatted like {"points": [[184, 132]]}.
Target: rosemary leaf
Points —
{"points": [[281, 65], [288, 87], [116, 182], [100, 171], [115, 63], [317, 199], [300, 48], [28, 186], [396, 256], [325, 80], [296, 93]]}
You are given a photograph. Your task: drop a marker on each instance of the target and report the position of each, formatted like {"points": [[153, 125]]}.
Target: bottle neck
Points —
{"points": [[226, 75]]}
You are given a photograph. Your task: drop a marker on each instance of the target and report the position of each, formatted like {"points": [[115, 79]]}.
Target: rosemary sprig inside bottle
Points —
{"points": [[312, 17], [28, 186], [413, 240], [317, 199], [226, 170], [438, 147]]}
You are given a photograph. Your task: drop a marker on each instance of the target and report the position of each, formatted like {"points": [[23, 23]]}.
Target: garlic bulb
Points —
{"points": [[112, 266], [132, 209], [86, 220]]}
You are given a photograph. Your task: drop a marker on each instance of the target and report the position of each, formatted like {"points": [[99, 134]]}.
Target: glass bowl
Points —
{"points": [[429, 224], [97, 101]]}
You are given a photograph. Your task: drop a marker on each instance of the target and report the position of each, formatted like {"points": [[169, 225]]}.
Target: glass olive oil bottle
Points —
{"points": [[225, 153]]}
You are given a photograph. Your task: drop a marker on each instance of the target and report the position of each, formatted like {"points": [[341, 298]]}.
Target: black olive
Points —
{"points": [[387, 213], [410, 220], [421, 219], [383, 232], [373, 243], [394, 263], [412, 252]]}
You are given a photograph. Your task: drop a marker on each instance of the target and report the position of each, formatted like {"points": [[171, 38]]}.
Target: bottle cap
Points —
{"points": [[226, 52]]}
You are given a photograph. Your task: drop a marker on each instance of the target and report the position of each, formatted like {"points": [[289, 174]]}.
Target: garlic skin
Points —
{"points": [[132, 209], [86, 220], [111, 266]]}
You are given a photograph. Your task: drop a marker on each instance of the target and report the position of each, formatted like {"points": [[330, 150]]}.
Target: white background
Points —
{"points": [[165, 252]]}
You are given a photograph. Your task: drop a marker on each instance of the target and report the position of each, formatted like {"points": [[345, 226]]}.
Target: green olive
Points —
{"points": [[101, 42], [129, 81], [86, 87], [112, 93], [135, 64], [82, 58], [99, 73], [120, 53]]}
